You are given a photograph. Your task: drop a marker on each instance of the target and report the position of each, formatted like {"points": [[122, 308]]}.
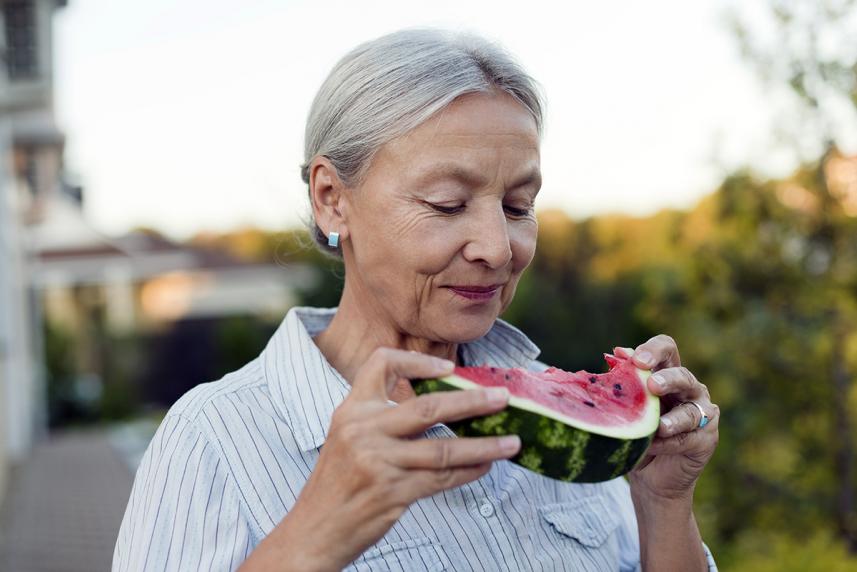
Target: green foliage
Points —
{"points": [[588, 315], [754, 323], [805, 48], [238, 340], [817, 551], [59, 371], [113, 394], [122, 359], [284, 248], [327, 291]]}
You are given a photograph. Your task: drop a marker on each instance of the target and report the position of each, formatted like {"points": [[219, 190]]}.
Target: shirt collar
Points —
{"points": [[306, 389]]}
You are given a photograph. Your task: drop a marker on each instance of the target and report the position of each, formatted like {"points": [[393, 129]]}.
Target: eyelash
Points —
{"points": [[457, 209]]}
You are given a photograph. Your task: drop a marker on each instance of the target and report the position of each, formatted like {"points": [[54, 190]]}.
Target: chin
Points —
{"points": [[462, 327]]}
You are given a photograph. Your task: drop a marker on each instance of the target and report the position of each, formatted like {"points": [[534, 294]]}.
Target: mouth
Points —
{"points": [[479, 293]]}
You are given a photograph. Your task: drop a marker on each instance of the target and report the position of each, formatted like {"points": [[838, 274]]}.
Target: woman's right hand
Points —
{"points": [[371, 467]]}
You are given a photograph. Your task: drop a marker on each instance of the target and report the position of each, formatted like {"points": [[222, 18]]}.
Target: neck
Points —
{"points": [[359, 328]]}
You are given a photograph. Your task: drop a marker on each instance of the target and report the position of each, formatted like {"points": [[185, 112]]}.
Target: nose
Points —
{"points": [[489, 238]]}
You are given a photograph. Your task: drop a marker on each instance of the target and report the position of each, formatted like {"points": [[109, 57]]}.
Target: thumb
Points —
{"points": [[386, 366]]}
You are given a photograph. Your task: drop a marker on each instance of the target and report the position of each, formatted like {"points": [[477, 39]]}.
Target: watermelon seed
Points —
{"points": [[617, 386], [589, 403], [507, 376], [592, 379]]}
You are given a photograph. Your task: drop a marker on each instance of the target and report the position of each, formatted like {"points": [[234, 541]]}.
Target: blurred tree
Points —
{"points": [[238, 340], [59, 373], [806, 49], [576, 300], [752, 313], [780, 553], [294, 246], [810, 49]]}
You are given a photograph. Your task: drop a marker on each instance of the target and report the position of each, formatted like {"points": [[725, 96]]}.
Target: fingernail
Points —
{"points": [[666, 422], [644, 357], [444, 364], [659, 381], [497, 395], [510, 444]]}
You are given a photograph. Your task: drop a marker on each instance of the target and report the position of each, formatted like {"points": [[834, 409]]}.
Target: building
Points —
{"points": [[147, 288], [55, 268], [30, 168]]}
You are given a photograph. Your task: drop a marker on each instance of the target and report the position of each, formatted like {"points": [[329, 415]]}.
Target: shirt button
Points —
{"points": [[486, 509]]}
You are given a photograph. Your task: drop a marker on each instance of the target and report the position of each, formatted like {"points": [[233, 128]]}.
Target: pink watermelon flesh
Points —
{"points": [[606, 399]]}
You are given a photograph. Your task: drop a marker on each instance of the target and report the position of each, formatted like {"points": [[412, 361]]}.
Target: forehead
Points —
{"points": [[484, 122]]}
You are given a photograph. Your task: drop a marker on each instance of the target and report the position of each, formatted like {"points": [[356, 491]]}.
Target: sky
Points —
{"points": [[188, 115]]}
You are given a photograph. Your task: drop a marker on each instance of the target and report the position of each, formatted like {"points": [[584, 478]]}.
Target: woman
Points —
{"points": [[422, 161]]}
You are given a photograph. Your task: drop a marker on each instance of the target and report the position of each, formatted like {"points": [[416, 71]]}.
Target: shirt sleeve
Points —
{"points": [[628, 533], [184, 512]]}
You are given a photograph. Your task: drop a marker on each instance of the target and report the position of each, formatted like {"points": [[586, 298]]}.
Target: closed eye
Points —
{"points": [[455, 209], [446, 209], [514, 211]]}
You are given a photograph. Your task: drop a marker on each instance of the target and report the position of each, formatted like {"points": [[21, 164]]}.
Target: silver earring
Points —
{"points": [[333, 239]]}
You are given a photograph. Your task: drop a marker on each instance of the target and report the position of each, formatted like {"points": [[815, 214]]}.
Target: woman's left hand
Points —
{"points": [[681, 447]]}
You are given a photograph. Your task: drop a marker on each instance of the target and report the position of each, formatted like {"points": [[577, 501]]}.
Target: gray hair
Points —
{"points": [[388, 86]]}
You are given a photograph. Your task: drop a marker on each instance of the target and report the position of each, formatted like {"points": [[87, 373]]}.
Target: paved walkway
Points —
{"points": [[62, 510]]}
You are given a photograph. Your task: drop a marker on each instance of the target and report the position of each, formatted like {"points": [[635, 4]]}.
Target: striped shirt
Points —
{"points": [[231, 456]]}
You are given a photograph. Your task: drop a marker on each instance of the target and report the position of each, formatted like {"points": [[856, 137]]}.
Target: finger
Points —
{"points": [[679, 382], [416, 415], [684, 443], [686, 417], [386, 366], [455, 453], [619, 351], [430, 482], [659, 352]]}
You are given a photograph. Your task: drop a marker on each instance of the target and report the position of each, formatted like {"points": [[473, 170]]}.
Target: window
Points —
{"points": [[19, 17]]}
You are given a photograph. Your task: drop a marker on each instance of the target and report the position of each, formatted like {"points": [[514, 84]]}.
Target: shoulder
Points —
{"points": [[220, 399], [187, 442], [186, 436], [206, 397], [213, 417], [184, 489]]}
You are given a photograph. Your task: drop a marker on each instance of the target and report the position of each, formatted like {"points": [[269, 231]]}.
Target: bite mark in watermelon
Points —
{"points": [[574, 426]]}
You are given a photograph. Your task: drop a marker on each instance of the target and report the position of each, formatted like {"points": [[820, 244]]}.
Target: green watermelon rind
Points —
{"points": [[554, 445]]}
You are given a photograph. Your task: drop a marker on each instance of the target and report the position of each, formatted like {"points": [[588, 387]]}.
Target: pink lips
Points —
{"points": [[479, 293]]}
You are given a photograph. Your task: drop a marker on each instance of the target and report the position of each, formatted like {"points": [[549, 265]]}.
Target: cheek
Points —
{"points": [[429, 245], [403, 247], [523, 244]]}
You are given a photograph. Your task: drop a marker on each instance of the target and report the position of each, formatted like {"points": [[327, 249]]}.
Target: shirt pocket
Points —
{"points": [[583, 530], [403, 556]]}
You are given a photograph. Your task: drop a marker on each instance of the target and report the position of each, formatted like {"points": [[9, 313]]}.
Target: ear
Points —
{"points": [[327, 195]]}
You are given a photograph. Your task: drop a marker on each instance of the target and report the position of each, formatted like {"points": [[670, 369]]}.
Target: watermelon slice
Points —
{"points": [[574, 426]]}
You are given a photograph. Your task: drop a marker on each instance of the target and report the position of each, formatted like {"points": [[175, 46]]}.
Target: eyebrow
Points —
{"points": [[469, 177]]}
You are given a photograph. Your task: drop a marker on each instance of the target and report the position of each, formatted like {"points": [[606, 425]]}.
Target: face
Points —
{"points": [[442, 225]]}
